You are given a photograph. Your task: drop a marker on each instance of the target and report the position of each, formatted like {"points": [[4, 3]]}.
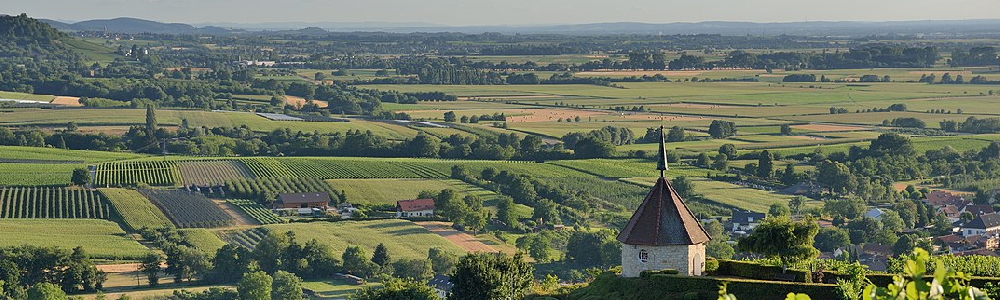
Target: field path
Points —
{"points": [[239, 218], [461, 239]]}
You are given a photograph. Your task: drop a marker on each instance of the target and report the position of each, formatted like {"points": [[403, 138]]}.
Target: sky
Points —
{"points": [[504, 12]]}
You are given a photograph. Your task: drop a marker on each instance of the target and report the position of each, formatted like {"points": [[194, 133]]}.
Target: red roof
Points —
{"points": [[663, 219], [415, 205], [942, 198]]}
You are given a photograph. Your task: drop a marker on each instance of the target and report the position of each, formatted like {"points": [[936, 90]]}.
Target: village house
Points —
{"points": [[442, 285], [938, 198], [978, 209], [745, 221], [415, 208], [318, 200], [663, 233], [874, 213], [987, 224]]}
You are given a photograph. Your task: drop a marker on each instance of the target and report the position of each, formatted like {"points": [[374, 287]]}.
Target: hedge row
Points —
{"points": [[662, 286], [752, 270]]}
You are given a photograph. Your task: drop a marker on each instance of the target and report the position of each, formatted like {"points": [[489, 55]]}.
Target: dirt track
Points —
{"points": [[461, 239]]}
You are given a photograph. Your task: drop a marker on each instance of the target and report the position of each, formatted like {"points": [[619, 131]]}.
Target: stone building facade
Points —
{"points": [[663, 233]]}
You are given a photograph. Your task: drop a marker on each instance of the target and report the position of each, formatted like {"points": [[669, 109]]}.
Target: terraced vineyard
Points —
{"points": [[45, 202], [212, 172], [245, 238], [261, 187], [131, 173], [189, 210], [256, 211], [135, 210]]}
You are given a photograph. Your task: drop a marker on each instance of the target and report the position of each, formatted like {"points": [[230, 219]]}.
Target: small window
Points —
{"points": [[643, 256]]}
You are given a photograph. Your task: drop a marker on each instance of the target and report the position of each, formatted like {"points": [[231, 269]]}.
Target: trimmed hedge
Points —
{"points": [[609, 286], [752, 270]]}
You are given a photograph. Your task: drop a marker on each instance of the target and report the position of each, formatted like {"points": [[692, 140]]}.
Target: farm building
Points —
{"points": [[302, 200], [415, 208]]}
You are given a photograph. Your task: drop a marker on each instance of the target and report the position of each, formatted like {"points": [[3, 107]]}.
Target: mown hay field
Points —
{"points": [[100, 238]]}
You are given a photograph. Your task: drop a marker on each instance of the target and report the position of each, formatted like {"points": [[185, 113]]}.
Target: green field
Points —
{"points": [[202, 239], [731, 195], [135, 211], [26, 174], [56, 203], [32, 154], [403, 238], [388, 191], [101, 239]]}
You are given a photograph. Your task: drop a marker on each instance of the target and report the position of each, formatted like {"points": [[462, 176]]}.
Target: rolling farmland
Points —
{"points": [[403, 238], [56, 203], [270, 187], [28, 174], [258, 212], [388, 191]]}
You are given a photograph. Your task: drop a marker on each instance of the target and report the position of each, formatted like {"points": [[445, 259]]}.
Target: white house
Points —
{"points": [[982, 225], [745, 220], [415, 208]]}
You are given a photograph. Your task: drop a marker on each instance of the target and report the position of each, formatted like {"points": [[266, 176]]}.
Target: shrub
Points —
{"points": [[711, 265], [752, 270]]}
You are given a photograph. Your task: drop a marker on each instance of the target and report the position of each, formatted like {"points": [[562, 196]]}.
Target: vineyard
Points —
{"points": [[131, 173], [404, 239], [267, 167], [245, 238], [211, 172], [360, 168], [388, 191], [256, 211], [262, 188], [135, 210], [189, 210], [44, 202]]}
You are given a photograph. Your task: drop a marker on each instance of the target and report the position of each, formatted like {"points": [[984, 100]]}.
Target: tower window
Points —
{"points": [[643, 256]]}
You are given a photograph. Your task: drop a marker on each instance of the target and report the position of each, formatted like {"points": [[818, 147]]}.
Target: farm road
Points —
{"points": [[461, 239]]}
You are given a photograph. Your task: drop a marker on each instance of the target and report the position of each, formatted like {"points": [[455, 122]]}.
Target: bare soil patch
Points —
{"points": [[299, 102], [66, 100], [239, 218], [461, 239], [827, 127]]}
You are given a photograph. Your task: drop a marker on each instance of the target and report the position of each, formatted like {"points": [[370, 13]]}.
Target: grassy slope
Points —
{"points": [[403, 238], [54, 154], [101, 239], [36, 174], [388, 191]]}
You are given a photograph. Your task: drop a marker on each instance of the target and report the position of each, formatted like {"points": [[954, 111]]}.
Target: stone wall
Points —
{"points": [[686, 259]]}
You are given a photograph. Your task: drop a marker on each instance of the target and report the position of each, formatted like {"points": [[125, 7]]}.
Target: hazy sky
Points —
{"points": [[505, 12]]}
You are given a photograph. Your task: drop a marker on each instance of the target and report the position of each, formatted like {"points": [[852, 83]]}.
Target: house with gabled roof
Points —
{"points": [[302, 200], [663, 233], [987, 224], [415, 208]]}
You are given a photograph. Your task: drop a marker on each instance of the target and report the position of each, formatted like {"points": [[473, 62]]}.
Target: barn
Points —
{"points": [[302, 200]]}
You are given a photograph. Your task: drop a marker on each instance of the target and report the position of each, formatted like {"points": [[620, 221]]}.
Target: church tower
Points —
{"points": [[663, 233]]}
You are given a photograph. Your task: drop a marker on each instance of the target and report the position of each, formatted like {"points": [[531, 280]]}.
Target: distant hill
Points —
{"points": [[846, 28]]}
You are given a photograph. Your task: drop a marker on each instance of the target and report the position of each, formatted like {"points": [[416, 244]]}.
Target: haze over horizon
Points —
{"points": [[511, 12]]}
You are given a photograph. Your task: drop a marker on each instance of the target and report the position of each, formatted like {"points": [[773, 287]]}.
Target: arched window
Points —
{"points": [[643, 255]]}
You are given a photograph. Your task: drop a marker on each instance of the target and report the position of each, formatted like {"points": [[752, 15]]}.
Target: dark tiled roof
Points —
{"points": [[298, 198], [978, 210], [985, 221], [415, 205], [441, 282], [746, 217], [663, 219]]}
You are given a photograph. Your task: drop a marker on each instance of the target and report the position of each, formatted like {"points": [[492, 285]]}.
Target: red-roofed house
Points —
{"points": [[415, 208], [939, 198]]}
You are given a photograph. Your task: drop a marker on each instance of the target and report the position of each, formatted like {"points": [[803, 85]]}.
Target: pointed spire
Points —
{"points": [[661, 162]]}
